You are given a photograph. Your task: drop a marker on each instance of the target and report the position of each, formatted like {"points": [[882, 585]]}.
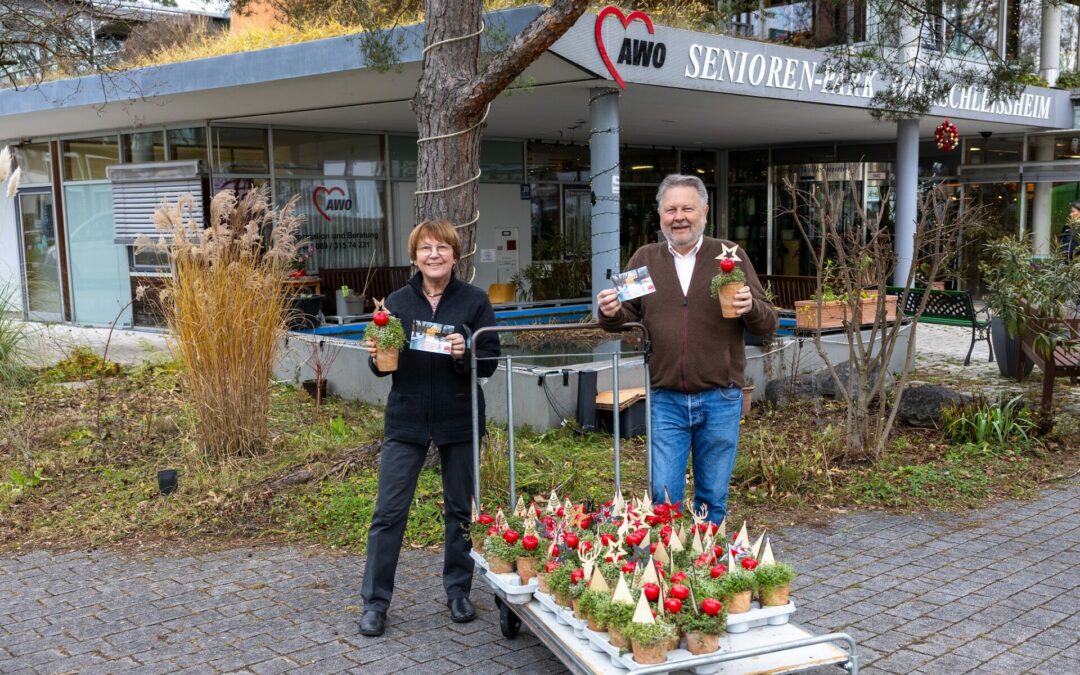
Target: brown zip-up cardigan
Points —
{"points": [[694, 347]]}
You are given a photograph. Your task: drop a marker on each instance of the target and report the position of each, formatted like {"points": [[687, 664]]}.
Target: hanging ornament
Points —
{"points": [[947, 136]]}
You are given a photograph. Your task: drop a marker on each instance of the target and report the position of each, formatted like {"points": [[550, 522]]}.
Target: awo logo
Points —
{"points": [[332, 203], [632, 52]]}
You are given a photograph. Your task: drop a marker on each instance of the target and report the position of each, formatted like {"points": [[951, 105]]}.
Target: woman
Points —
{"points": [[429, 402]]}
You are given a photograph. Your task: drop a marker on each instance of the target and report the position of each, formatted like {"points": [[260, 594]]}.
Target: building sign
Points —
{"points": [[662, 56], [330, 200]]}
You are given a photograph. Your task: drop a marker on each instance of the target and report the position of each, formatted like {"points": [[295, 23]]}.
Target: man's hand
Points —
{"points": [[744, 301], [608, 302]]}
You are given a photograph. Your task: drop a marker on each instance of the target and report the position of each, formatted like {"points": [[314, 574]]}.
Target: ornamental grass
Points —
{"points": [[226, 306]]}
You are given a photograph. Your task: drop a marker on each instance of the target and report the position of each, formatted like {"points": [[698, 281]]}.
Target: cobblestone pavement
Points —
{"points": [[990, 591]]}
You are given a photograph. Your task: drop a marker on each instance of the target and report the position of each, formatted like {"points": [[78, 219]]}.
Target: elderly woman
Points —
{"points": [[429, 402]]}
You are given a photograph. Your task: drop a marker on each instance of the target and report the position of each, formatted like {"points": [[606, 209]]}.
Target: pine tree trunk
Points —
{"points": [[443, 106]]}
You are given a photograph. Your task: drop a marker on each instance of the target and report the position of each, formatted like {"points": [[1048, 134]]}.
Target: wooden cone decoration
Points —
{"points": [[767, 555], [519, 508], [743, 539], [646, 504], [622, 592], [675, 544], [553, 503], [643, 613], [618, 506], [529, 525], [661, 554], [597, 582], [756, 548], [731, 563], [475, 515], [500, 520], [681, 535], [721, 534], [696, 546], [648, 575]]}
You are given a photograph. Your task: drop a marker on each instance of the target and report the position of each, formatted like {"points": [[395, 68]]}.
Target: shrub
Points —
{"points": [[13, 356], [226, 306]]}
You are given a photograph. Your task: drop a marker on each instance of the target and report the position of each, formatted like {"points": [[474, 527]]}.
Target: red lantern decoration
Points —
{"points": [[947, 136]]}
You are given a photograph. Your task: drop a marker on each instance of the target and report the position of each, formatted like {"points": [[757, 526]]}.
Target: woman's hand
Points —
{"points": [[457, 345]]}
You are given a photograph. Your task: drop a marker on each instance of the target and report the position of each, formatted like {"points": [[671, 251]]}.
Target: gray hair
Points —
{"points": [[679, 180]]}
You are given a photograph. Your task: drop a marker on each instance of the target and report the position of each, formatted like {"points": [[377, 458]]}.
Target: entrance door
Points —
{"points": [[40, 255]]}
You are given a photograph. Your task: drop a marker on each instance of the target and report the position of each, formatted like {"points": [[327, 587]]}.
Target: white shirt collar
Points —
{"points": [[693, 252]]}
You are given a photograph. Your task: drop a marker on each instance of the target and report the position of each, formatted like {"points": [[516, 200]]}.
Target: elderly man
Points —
{"points": [[698, 362]]}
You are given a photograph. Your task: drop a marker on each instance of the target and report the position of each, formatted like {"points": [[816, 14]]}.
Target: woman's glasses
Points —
{"points": [[427, 251]]}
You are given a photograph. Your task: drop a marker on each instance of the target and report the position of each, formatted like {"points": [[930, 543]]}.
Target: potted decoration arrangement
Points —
{"points": [[530, 555], [348, 303], [650, 638], [703, 625], [386, 332], [728, 282], [478, 529], [500, 550], [738, 586], [774, 583]]}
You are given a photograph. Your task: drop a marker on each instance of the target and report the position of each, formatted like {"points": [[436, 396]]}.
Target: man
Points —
{"points": [[698, 359]]}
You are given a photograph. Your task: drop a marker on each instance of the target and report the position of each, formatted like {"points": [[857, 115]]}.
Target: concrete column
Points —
{"points": [[907, 197], [1050, 42], [604, 163], [1040, 207]]}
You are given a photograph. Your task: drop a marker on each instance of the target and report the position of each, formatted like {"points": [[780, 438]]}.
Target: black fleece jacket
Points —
{"points": [[429, 399]]}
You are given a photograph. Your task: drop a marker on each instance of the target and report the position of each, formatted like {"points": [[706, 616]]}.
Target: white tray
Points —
{"points": [[760, 616], [510, 584]]}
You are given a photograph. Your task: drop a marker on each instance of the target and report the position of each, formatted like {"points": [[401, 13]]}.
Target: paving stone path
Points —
{"points": [[989, 591]]}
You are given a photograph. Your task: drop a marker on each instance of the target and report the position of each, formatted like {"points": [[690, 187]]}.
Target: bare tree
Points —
{"points": [[854, 259]]}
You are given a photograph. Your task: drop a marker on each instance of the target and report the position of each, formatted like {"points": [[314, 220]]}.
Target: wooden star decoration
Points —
{"points": [[731, 252]]}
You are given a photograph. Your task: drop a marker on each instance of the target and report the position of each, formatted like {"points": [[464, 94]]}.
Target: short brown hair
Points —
{"points": [[439, 230]]}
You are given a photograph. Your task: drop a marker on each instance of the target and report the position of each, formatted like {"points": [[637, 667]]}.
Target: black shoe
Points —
{"points": [[461, 610], [373, 623]]}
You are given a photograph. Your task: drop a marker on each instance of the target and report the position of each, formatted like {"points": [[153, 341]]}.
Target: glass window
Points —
{"points": [[934, 163], [323, 153], [240, 150], [994, 150], [403, 156], [100, 284], [748, 166], [345, 219], [646, 165], [500, 160], [35, 160], [552, 161], [187, 143], [805, 155], [1065, 146], [545, 213], [747, 226], [147, 260], [700, 163], [142, 146], [87, 158], [867, 152]]}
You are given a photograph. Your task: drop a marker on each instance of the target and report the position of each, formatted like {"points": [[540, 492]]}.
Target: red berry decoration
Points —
{"points": [[660, 510], [571, 540], [577, 575], [727, 265], [530, 542], [651, 591], [717, 571], [629, 568], [673, 605], [492, 531], [679, 591], [510, 537], [748, 563], [485, 519], [380, 318], [678, 577], [585, 546], [711, 606], [606, 538], [551, 566]]}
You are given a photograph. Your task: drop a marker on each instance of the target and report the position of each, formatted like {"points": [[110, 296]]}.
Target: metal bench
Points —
{"points": [[1062, 361], [948, 308]]}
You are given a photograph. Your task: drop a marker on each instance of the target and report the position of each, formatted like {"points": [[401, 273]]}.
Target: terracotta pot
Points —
{"points": [[739, 603], [616, 637], [577, 612], [562, 599], [747, 399], [526, 569], [542, 583], [831, 314], [673, 643], [775, 595], [386, 359], [499, 566], [726, 294], [595, 626], [868, 308], [702, 643], [650, 654], [478, 544]]}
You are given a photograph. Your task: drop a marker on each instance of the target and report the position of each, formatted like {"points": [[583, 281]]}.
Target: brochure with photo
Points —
{"points": [[633, 284], [430, 337]]}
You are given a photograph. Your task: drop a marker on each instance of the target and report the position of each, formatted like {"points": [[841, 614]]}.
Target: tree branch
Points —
{"points": [[540, 34]]}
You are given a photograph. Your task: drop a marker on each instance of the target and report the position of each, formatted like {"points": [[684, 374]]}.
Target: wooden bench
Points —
{"points": [[948, 308], [1064, 361], [382, 282], [788, 289]]}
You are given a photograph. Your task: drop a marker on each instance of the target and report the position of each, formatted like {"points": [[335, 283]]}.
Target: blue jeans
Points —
{"points": [[705, 424]]}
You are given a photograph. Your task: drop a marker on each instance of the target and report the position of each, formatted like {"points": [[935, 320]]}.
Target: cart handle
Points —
{"points": [[473, 337]]}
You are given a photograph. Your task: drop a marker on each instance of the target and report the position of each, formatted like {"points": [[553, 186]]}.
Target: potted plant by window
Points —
{"points": [[389, 336]]}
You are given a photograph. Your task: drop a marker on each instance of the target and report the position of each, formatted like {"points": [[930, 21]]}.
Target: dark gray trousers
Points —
{"points": [[399, 469]]}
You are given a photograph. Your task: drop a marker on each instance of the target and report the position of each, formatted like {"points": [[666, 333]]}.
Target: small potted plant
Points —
{"points": [[737, 587], [727, 283], [478, 531], [774, 583], [559, 583], [703, 626], [616, 615], [649, 641], [530, 556], [386, 332], [500, 550], [593, 605]]}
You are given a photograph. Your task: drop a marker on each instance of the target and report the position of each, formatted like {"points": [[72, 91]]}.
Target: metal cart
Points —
{"points": [[763, 649]]}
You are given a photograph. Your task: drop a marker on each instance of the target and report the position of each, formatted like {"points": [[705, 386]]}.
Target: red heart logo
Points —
{"points": [[626, 21], [322, 189]]}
